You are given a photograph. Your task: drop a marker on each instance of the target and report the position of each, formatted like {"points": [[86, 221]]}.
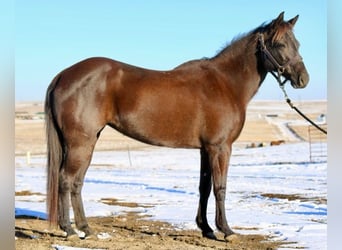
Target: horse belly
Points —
{"points": [[163, 122], [176, 133]]}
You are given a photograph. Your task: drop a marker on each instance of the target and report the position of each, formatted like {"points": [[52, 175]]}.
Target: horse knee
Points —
{"points": [[64, 183], [76, 187], [220, 194]]}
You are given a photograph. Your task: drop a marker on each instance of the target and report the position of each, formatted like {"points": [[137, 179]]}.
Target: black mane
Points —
{"points": [[236, 41]]}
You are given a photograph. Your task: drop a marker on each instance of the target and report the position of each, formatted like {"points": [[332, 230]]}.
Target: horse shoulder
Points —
{"points": [[223, 114]]}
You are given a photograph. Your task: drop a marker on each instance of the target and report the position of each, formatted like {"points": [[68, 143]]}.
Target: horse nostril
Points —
{"points": [[303, 80]]}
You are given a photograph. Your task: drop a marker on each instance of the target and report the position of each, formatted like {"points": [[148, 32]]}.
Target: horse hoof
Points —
{"points": [[73, 237], [91, 237], [232, 238], [209, 235]]}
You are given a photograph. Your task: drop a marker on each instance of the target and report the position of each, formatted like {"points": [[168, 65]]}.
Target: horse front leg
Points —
{"points": [[219, 158], [204, 189]]}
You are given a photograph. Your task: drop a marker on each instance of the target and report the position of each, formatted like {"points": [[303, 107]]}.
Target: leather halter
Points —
{"points": [[280, 68]]}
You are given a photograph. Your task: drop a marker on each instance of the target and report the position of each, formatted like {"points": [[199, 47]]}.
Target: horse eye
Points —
{"points": [[279, 46]]}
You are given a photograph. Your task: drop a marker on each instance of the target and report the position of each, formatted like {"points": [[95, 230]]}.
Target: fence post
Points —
{"points": [[28, 158]]}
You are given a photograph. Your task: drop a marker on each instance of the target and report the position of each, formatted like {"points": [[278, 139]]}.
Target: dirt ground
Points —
{"points": [[131, 231]]}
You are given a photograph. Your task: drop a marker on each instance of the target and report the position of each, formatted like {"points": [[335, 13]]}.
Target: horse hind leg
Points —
{"points": [[77, 161], [77, 204], [63, 204]]}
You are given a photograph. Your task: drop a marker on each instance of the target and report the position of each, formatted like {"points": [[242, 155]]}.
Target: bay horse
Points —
{"points": [[200, 104]]}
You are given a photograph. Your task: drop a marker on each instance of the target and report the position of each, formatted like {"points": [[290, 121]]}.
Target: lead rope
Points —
{"points": [[289, 102], [280, 71]]}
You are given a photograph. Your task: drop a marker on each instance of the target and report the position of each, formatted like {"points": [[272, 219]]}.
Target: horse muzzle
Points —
{"points": [[301, 79]]}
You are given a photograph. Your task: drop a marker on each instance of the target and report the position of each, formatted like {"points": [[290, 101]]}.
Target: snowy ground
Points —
{"points": [[259, 182]]}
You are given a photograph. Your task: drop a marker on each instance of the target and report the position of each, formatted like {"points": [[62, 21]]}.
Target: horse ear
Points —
{"points": [[279, 19], [293, 20]]}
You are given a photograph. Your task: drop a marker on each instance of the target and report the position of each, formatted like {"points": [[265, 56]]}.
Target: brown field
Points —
{"points": [[265, 123]]}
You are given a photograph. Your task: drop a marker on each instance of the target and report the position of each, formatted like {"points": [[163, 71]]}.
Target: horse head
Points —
{"points": [[279, 50]]}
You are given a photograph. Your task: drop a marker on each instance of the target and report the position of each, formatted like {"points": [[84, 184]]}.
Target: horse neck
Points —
{"points": [[239, 64]]}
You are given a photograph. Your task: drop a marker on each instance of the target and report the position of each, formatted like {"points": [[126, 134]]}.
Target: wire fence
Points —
{"points": [[317, 143]]}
